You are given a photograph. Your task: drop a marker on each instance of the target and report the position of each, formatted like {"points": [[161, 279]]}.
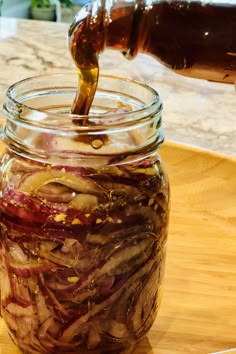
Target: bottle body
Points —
{"points": [[196, 38], [84, 225], [192, 38]]}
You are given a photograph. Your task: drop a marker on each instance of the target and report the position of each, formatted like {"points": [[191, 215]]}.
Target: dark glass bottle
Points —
{"points": [[192, 38]]}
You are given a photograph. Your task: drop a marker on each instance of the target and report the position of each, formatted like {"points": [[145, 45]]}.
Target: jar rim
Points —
{"points": [[14, 106], [54, 134]]}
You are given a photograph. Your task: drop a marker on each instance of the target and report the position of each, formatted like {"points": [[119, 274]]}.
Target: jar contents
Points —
{"points": [[83, 254]]}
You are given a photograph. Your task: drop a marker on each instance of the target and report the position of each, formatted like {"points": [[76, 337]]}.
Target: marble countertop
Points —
{"points": [[195, 112]]}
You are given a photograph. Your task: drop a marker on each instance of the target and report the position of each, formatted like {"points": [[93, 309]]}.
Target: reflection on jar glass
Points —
{"points": [[84, 216]]}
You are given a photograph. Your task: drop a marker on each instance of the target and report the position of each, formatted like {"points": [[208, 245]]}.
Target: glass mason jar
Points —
{"points": [[84, 216]]}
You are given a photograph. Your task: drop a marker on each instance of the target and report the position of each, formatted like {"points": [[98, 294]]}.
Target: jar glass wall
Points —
{"points": [[84, 216]]}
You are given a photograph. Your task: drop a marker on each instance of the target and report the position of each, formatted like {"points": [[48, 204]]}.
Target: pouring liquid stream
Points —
{"points": [[192, 38]]}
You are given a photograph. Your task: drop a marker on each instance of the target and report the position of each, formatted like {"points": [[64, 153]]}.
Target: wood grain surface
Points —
{"points": [[198, 310]]}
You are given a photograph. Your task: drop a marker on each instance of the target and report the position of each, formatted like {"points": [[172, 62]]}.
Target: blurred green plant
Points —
{"points": [[66, 3], [40, 3], [1, 3]]}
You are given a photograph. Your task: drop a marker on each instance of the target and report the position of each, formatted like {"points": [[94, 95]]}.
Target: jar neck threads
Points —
{"points": [[124, 121]]}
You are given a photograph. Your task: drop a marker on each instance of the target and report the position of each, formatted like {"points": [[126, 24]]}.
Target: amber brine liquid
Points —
{"points": [[192, 38]]}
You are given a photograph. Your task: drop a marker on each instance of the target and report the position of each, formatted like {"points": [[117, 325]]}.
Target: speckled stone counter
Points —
{"points": [[195, 112]]}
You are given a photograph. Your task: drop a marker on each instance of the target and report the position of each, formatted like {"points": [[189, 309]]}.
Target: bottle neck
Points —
{"points": [[122, 24], [139, 28], [192, 38]]}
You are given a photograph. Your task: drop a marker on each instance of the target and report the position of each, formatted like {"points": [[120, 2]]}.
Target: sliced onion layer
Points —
{"points": [[82, 255]]}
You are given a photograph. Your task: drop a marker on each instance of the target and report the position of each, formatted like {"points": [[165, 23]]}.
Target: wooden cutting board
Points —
{"points": [[198, 310]]}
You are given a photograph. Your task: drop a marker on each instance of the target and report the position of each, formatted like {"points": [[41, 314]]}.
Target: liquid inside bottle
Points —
{"points": [[193, 38]]}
